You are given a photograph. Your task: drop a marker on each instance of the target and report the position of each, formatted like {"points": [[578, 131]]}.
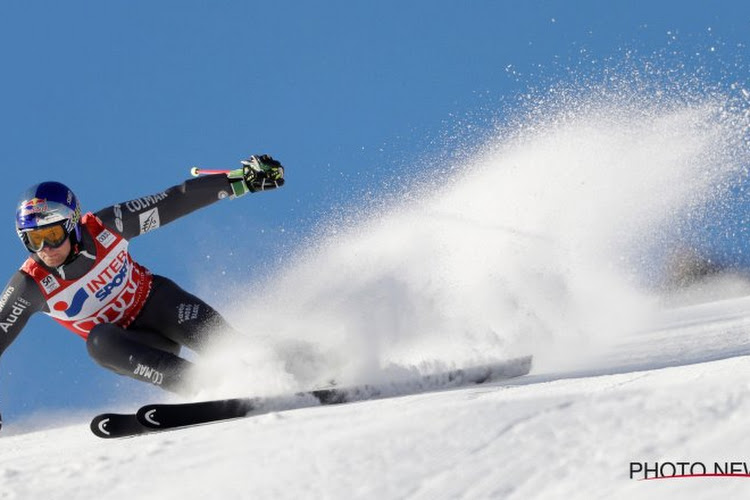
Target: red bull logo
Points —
{"points": [[34, 206]]}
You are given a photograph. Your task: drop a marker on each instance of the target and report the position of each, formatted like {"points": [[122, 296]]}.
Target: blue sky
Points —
{"points": [[118, 99]]}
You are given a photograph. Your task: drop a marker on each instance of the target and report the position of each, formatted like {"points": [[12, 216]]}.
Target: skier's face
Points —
{"points": [[54, 257]]}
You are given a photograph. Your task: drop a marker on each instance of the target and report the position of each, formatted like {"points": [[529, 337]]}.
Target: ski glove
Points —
{"points": [[258, 173]]}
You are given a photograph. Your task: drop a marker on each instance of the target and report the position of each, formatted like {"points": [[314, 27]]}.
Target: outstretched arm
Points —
{"points": [[145, 214]]}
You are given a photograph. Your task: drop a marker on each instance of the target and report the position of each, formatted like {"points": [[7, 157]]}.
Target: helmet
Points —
{"points": [[48, 204]]}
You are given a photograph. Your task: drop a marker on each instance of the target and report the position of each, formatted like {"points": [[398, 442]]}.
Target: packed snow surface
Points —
{"points": [[678, 393]]}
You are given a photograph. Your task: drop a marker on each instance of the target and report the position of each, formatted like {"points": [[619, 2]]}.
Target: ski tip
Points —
{"points": [[116, 425], [195, 171], [100, 426], [103, 426], [147, 417]]}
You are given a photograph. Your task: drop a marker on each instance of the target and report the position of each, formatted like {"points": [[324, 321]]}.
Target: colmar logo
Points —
{"points": [[145, 202], [154, 376]]}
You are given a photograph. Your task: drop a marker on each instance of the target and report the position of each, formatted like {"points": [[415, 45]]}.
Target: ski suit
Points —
{"points": [[134, 323]]}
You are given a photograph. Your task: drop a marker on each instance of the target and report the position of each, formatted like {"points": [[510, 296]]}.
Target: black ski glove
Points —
{"points": [[258, 173]]}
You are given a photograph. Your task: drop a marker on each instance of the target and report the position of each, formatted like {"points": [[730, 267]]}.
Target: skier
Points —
{"points": [[81, 274]]}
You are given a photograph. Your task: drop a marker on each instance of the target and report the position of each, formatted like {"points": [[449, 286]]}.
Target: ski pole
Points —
{"points": [[195, 171]]}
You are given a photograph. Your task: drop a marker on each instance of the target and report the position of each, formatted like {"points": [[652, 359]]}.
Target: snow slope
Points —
{"points": [[676, 394], [539, 244]]}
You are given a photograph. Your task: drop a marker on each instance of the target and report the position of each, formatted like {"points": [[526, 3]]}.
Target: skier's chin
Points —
{"points": [[52, 260], [54, 257]]}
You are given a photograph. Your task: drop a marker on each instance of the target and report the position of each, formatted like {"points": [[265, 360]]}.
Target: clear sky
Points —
{"points": [[118, 99]]}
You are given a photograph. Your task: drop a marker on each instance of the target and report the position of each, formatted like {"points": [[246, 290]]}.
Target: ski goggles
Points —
{"points": [[51, 236]]}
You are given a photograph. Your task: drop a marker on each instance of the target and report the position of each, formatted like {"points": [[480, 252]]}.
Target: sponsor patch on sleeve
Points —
{"points": [[106, 238], [149, 220]]}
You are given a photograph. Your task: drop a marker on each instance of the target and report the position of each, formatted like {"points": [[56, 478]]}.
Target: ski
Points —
{"points": [[116, 425], [165, 416], [170, 416], [511, 368]]}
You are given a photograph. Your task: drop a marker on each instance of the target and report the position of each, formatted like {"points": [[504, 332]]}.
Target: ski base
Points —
{"points": [[158, 417]]}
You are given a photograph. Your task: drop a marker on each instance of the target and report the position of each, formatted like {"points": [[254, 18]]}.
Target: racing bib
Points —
{"points": [[113, 291]]}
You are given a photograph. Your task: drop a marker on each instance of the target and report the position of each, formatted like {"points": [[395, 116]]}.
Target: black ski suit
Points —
{"points": [[148, 347]]}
